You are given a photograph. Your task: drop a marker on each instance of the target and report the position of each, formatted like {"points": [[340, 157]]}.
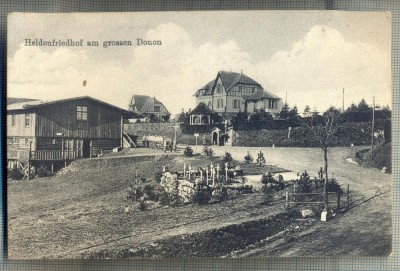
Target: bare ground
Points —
{"points": [[83, 213]]}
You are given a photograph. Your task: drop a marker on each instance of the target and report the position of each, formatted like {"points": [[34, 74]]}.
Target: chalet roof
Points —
{"points": [[11, 100], [202, 109], [229, 80], [143, 103], [262, 94], [37, 103]]}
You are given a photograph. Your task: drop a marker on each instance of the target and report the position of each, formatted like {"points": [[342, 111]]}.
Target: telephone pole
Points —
{"points": [[343, 102], [373, 124]]}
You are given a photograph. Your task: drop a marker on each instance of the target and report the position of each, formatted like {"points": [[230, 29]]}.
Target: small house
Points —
{"points": [[148, 107], [62, 130]]}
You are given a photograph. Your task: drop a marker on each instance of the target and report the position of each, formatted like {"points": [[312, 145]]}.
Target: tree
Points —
{"points": [[183, 116], [292, 114], [284, 114], [332, 110], [352, 108], [306, 111], [239, 119], [154, 118], [363, 106], [325, 134]]}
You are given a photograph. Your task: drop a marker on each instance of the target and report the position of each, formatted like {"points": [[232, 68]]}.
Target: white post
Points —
{"points": [[184, 170], [207, 175], [226, 172], [190, 169], [212, 174], [218, 168], [201, 174]]}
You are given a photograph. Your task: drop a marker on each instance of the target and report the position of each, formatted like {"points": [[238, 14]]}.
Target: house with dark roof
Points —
{"points": [[203, 115], [44, 132], [147, 106], [232, 92]]}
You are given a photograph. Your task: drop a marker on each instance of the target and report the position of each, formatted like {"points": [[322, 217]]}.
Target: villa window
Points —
{"points": [[220, 103], [271, 104], [157, 108], [13, 120], [236, 104], [27, 120]]}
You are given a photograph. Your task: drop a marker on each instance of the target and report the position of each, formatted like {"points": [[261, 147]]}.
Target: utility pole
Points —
{"points": [[373, 124], [343, 102], [286, 99]]}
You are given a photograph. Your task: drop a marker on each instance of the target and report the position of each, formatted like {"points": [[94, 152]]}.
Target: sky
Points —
{"points": [[310, 56]]}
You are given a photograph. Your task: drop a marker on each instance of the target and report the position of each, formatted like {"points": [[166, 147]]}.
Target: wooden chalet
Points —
{"points": [[63, 130]]}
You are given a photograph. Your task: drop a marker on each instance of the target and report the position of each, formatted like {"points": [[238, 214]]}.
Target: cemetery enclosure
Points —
{"points": [[88, 210]]}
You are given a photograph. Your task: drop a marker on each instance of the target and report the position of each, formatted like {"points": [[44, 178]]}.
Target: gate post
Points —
{"points": [[287, 198]]}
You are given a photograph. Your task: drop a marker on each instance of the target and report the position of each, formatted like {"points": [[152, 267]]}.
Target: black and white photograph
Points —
{"points": [[202, 134]]}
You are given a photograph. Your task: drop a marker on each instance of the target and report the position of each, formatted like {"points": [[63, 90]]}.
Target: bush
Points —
{"points": [[227, 158], [42, 171], [333, 186], [164, 199], [201, 196], [142, 206], [208, 151], [268, 196], [158, 175], [271, 184], [260, 158], [134, 192], [188, 152], [15, 174], [248, 158], [305, 183], [220, 193], [149, 192]]}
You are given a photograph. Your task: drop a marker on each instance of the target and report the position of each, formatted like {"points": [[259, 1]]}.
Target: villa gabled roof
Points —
{"points": [[262, 94], [229, 80]]}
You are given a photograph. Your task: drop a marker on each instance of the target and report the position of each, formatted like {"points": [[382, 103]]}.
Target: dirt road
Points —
{"points": [[83, 210], [365, 230]]}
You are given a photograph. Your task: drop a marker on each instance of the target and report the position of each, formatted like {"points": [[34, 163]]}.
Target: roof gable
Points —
{"points": [[33, 104], [229, 80], [145, 103], [11, 100], [202, 109], [139, 102]]}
